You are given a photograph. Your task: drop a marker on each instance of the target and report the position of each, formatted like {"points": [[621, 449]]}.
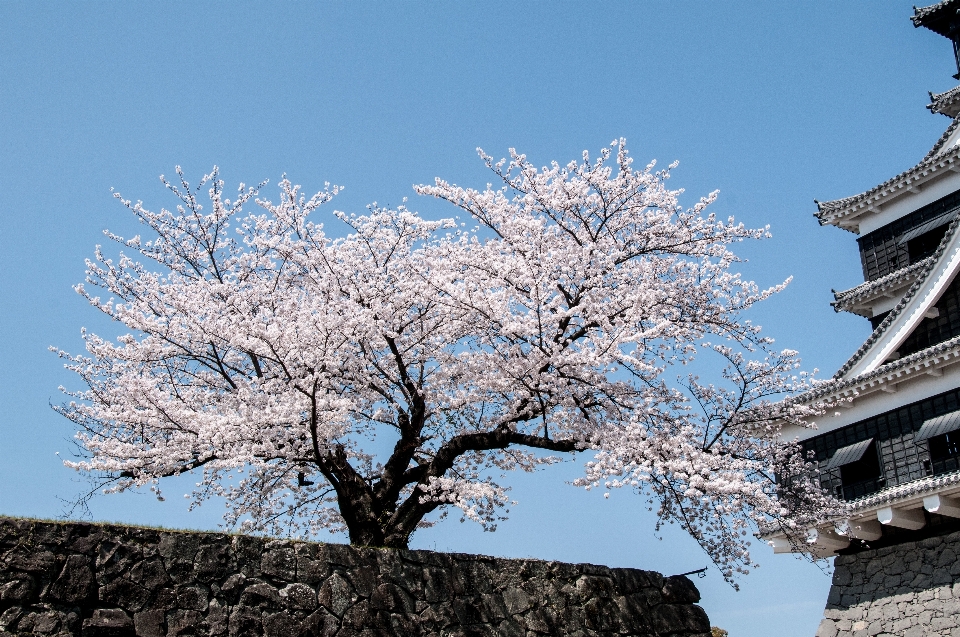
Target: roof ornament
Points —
{"points": [[942, 18]]}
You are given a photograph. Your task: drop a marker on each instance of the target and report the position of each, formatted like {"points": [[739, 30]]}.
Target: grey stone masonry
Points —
{"points": [[909, 590], [92, 580]]}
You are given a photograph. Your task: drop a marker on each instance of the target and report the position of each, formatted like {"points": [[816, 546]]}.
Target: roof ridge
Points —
{"points": [[921, 14], [937, 96], [898, 308], [910, 488], [943, 140]]}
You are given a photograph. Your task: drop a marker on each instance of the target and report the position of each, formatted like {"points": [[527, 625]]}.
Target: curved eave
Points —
{"points": [[871, 513], [844, 213], [857, 300], [946, 103], [903, 493], [936, 17], [907, 314]]}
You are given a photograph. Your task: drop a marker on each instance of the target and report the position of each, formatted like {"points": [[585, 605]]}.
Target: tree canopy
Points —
{"points": [[273, 358]]}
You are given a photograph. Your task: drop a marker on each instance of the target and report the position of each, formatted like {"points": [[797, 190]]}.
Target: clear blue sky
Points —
{"points": [[772, 103]]}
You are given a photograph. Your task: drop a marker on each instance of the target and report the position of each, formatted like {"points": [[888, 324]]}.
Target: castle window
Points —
{"points": [[859, 466], [923, 245], [943, 436]]}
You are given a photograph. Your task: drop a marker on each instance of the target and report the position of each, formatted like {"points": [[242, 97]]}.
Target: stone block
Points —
{"points": [[194, 597], [150, 574], [336, 594], [260, 595], [245, 622], [213, 562], [115, 558], [19, 590], [298, 596], [678, 589], [76, 583], [108, 622], [827, 628], [30, 561], [178, 552], [10, 617], [124, 593], [281, 624], [279, 561], [946, 557], [516, 600], [217, 618], [150, 623], [185, 622], [43, 622], [364, 578]]}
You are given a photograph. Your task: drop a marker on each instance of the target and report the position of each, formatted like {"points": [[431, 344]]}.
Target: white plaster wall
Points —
{"points": [[939, 186]]}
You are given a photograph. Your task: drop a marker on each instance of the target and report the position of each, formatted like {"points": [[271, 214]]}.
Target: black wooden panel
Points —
{"points": [[901, 460], [880, 251]]}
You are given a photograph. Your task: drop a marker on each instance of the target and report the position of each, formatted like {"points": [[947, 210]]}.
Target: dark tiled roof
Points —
{"points": [[848, 298], [930, 484], [935, 17], [890, 495], [946, 103], [938, 147], [836, 386]]}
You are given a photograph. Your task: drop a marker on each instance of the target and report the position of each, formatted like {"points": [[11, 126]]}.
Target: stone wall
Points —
{"points": [[909, 590], [101, 580]]}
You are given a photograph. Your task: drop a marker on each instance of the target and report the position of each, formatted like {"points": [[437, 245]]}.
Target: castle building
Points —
{"points": [[891, 449]]}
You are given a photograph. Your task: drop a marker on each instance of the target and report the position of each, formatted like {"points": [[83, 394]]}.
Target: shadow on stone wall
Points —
{"points": [[910, 590], [105, 581]]}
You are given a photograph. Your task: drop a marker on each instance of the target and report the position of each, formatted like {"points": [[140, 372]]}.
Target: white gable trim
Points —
{"points": [[929, 292]]}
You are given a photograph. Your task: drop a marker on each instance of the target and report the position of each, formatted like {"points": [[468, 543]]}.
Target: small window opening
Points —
{"points": [[926, 244], [859, 469], [945, 452]]}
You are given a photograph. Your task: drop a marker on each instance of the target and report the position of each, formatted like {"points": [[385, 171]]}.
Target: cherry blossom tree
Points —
{"points": [[372, 380]]}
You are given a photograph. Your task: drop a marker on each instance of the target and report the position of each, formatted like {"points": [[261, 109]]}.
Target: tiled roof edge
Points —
{"points": [[826, 208], [909, 489], [844, 299], [939, 102], [943, 140], [835, 385], [921, 14], [919, 487]]}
